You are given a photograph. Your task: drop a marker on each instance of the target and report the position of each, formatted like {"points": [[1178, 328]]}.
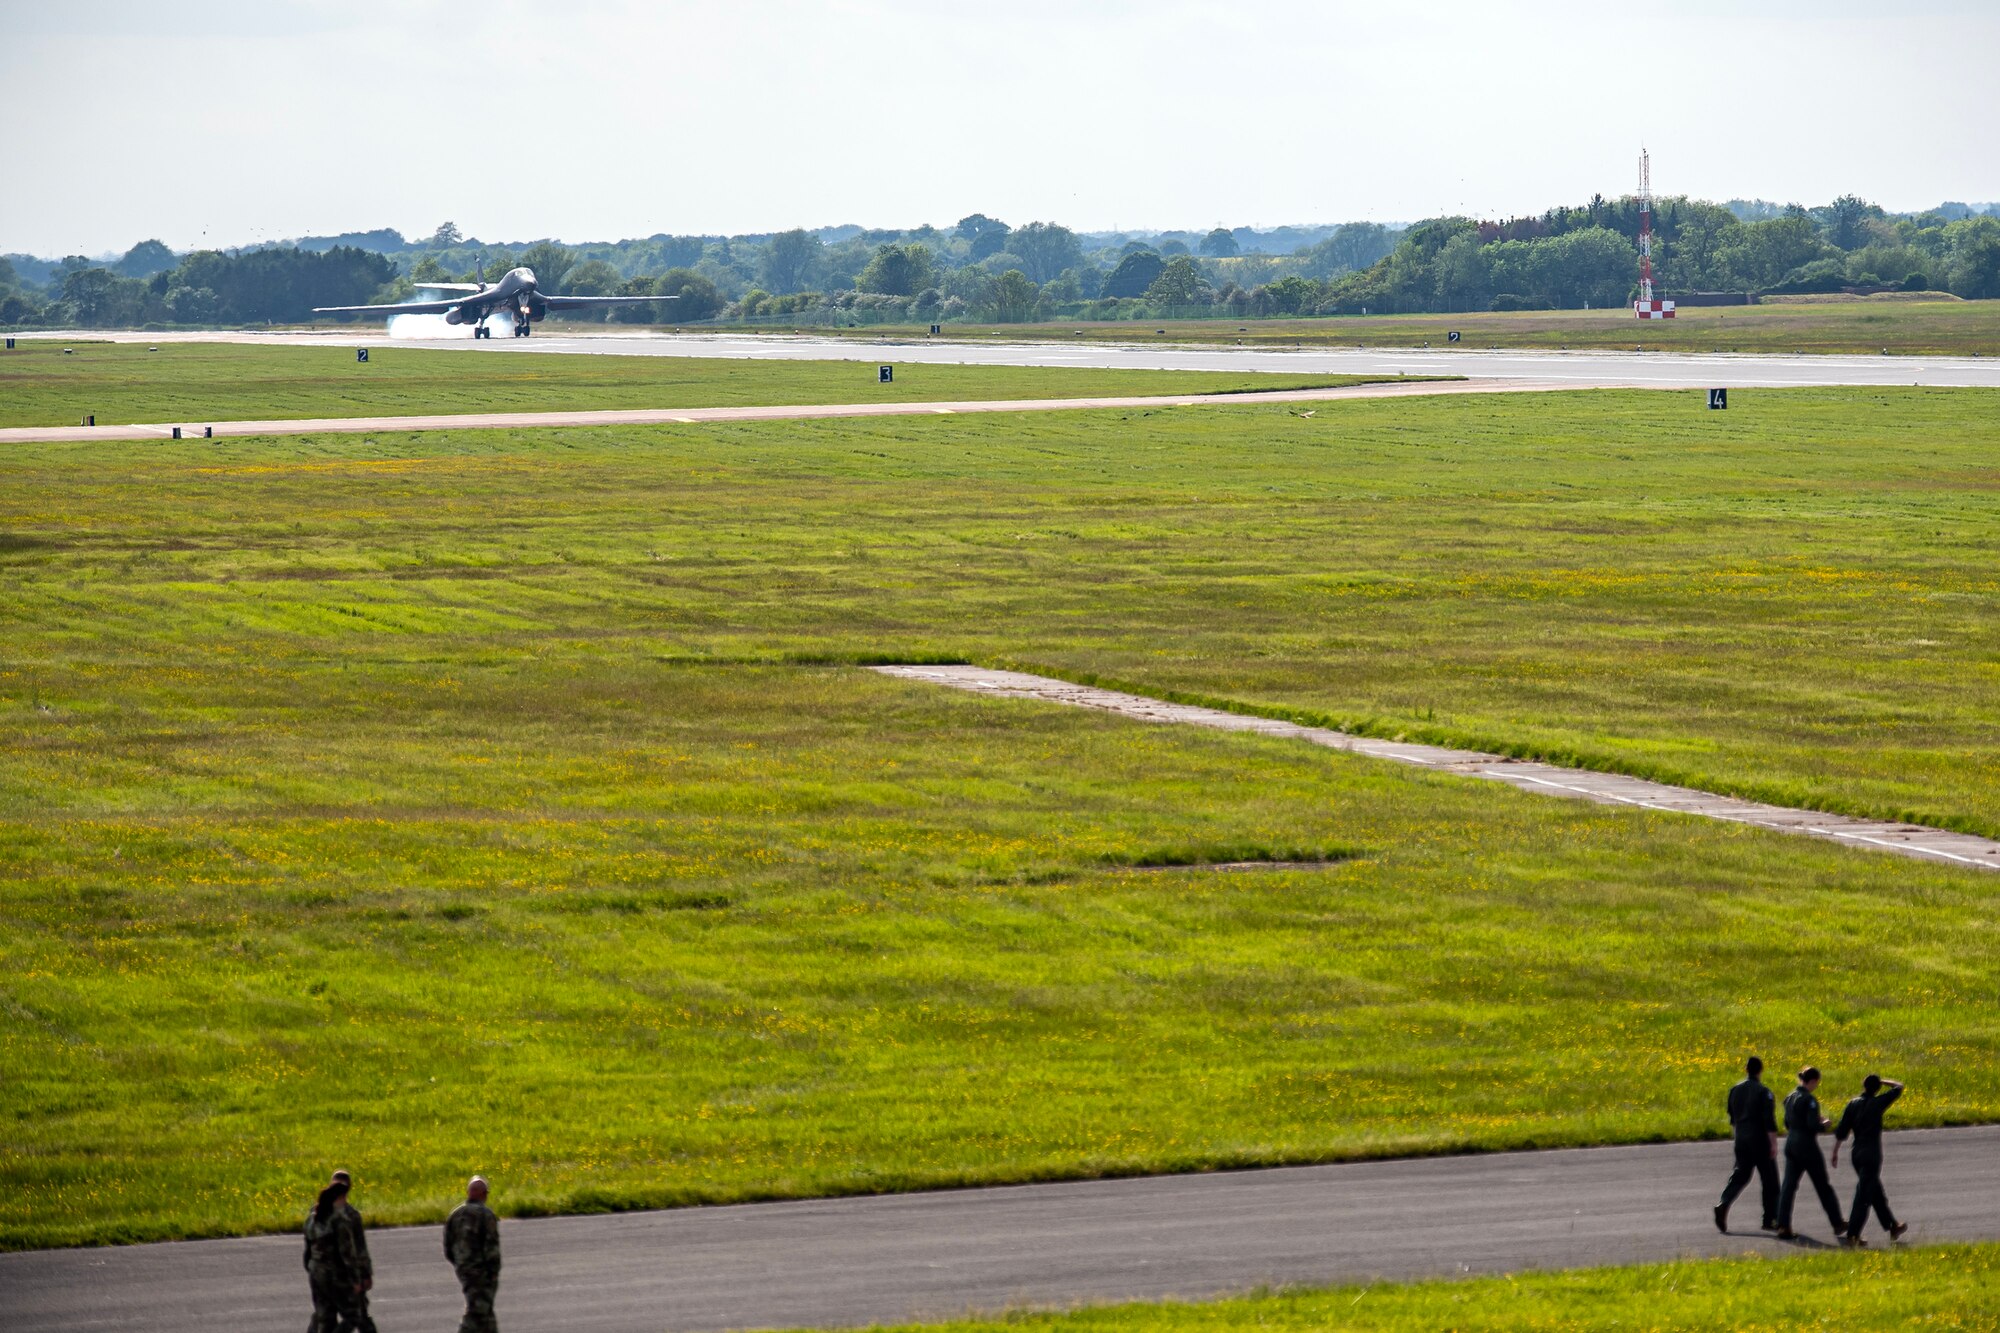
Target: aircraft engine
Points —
{"points": [[455, 315]]}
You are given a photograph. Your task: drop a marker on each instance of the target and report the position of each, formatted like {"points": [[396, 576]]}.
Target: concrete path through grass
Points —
{"points": [[795, 412], [918, 1256], [1548, 779]]}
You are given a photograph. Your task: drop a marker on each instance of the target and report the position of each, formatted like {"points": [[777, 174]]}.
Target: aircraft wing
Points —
{"points": [[449, 286], [586, 302], [406, 308]]}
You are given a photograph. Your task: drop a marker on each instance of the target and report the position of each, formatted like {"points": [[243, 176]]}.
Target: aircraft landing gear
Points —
{"points": [[481, 331], [521, 326]]}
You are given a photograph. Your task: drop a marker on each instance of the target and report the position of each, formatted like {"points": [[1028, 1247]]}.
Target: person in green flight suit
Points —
{"points": [[1753, 1119], [1803, 1126]]}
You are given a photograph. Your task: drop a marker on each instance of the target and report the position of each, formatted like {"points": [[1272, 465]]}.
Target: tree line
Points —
{"points": [[985, 269]]}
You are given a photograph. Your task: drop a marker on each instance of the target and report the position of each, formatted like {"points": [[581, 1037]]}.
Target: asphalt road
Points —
{"points": [[918, 1256], [1914, 840], [1580, 369]]}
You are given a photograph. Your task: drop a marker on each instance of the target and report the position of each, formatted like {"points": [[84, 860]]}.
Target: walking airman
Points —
{"points": [[472, 1244], [1803, 1126]]}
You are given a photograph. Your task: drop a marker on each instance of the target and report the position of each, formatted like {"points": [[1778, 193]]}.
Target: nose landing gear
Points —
{"points": [[522, 328]]}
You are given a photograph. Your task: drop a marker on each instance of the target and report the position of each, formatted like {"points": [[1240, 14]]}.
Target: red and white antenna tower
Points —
{"points": [[1646, 307], [1645, 226]]}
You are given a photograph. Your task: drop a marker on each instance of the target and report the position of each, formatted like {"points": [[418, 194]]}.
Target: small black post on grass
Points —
{"points": [[10, 344], [177, 432], [90, 420], [208, 432], [361, 354], [1718, 399], [885, 375]]}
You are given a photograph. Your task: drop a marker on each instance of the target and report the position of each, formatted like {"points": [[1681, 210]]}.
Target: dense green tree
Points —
{"points": [[1845, 221], [428, 269], [1350, 249], [1974, 257], [98, 298], [1046, 249], [968, 286], [593, 277], [144, 260], [663, 252], [1758, 254], [898, 270], [281, 284], [1135, 273], [1291, 295], [1464, 275], [1014, 297], [1688, 261], [1180, 284], [1220, 244], [984, 236], [1596, 267], [191, 305], [699, 298], [789, 260], [445, 237], [17, 309]]}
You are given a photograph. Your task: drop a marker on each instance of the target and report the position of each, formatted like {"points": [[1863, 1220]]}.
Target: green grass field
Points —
{"points": [[1935, 1287], [1866, 327], [498, 800], [121, 383]]}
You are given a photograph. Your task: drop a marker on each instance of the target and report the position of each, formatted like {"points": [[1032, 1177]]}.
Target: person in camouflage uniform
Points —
{"points": [[472, 1244], [331, 1264], [358, 1319]]}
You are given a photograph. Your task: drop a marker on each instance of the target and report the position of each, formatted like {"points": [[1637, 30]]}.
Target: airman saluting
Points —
{"points": [[1863, 1119]]}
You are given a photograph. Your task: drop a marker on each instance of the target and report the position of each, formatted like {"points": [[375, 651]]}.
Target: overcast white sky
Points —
{"points": [[222, 122]]}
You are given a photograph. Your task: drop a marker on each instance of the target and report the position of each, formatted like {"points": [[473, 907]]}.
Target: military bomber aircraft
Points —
{"points": [[515, 295]]}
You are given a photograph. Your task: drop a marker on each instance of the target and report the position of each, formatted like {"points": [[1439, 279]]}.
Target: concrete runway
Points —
{"points": [[1914, 840], [920, 1256], [1580, 369]]}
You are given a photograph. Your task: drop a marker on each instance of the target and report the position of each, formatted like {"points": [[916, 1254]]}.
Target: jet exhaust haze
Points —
{"points": [[426, 326]]}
